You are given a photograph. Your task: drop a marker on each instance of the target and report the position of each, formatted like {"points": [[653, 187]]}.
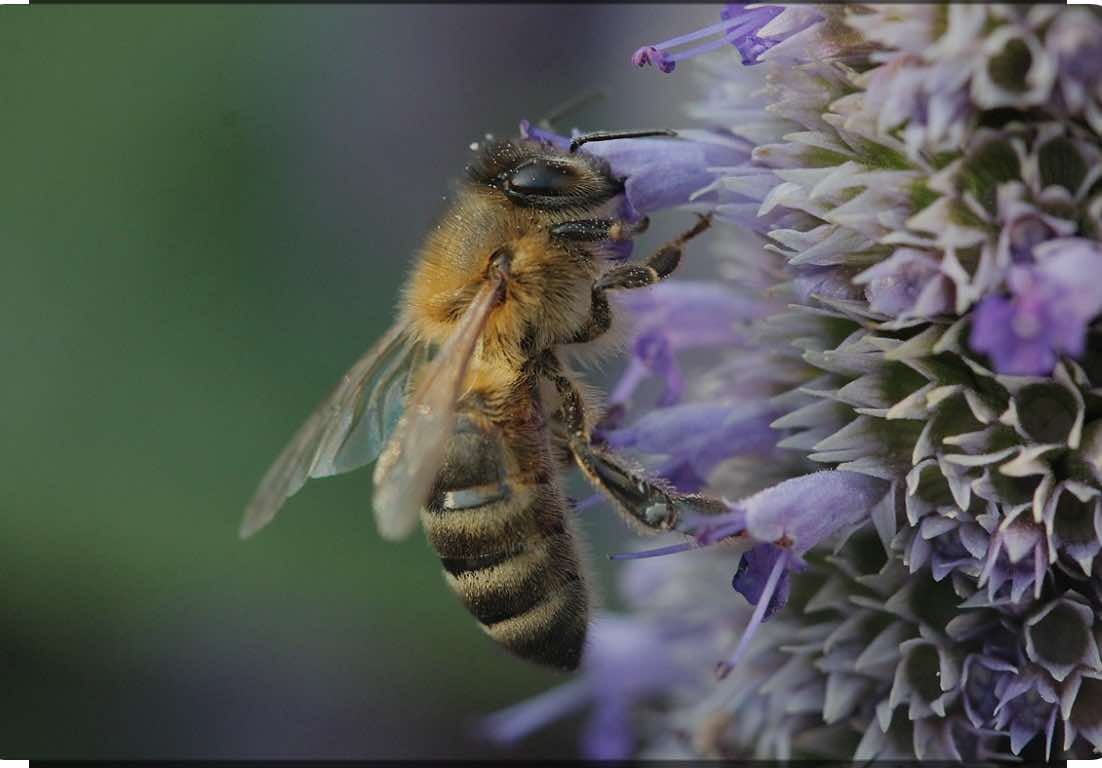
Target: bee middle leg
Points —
{"points": [[625, 276], [644, 500], [598, 322]]}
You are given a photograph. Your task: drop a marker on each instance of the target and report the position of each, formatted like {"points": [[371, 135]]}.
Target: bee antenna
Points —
{"points": [[585, 138], [569, 107]]}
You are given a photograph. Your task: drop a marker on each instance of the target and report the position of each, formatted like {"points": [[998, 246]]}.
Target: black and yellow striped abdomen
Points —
{"points": [[507, 549]]}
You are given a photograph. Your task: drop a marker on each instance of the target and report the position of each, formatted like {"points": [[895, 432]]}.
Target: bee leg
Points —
{"points": [[657, 267], [600, 316], [600, 320], [642, 499], [591, 230], [638, 497]]}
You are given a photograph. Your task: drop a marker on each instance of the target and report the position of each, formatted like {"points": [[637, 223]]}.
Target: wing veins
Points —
{"points": [[407, 467], [298, 460]]}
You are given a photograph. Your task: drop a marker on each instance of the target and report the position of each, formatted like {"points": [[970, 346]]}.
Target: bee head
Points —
{"points": [[536, 175]]}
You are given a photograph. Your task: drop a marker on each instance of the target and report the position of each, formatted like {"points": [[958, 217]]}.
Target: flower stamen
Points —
{"points": [[739, 27]]}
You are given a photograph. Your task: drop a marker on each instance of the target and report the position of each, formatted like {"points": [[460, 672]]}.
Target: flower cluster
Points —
{"points": [[897, 387]]}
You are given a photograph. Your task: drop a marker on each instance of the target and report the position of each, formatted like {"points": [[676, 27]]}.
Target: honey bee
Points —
{"points": [[471, 440]]}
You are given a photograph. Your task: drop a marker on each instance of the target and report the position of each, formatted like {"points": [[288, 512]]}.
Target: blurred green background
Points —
{"points": [[205, 216]]}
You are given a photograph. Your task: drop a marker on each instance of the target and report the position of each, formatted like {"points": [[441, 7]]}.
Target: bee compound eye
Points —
{"points": [[539, 177]]}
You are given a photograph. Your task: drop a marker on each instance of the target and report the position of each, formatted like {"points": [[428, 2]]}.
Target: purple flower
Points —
{"points": [[825, 282], [786, 521], [762, 578], [1023, 333], [1017, 557], [1075, 40], [930, 102], [1009, 694], [696, 437], [693, 313], [667, 172], [909, 282], [789, 519], [982, 679], [801, 512], [1047, 312], [627, 660], [659, 172], [676, 316], [1024, 226], [752, 577], [887, 214], [741, 26]]}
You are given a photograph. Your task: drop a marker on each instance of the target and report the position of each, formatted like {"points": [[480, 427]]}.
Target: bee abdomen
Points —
{"points": [[552, 631], [500, 586], [506, 549], [512, 563]]}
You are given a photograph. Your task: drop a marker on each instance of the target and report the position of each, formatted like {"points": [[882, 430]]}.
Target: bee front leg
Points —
{"points": [[593, 230], [657, 267], [641, 499]]}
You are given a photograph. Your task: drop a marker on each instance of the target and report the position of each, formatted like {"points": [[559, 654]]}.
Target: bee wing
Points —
{"points": [[408, 465], [347, 430], [372, 411]]}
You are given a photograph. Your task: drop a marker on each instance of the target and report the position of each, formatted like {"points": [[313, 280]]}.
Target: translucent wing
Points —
{"points": [[348, 430], [367, 422], [407, 467]]}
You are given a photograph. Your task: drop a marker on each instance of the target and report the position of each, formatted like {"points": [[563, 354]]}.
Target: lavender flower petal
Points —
{"points": [[752, 576], [803, 511], [663, 173], [1048, 311], [741, 27]]}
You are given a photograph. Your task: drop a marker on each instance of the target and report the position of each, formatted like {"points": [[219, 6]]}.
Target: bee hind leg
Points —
{"points": [[643, 500]]}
